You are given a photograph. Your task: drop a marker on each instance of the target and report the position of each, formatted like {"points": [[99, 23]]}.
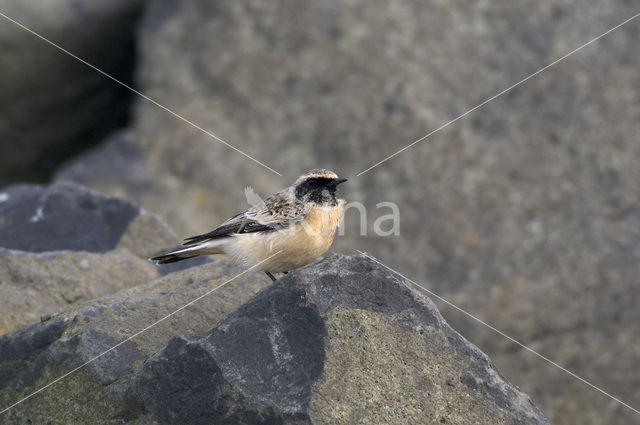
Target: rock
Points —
{"points": [[118, 159], [533, 196], [344, 341], [64, 216], [590, 332], [34, 356], [62, 244], [38, 285], [52, 105]]}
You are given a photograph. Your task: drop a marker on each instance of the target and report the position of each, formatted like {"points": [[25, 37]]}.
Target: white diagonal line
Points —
{"points": [[135, 335], [501, 93], [501, 333], [191, 123]]}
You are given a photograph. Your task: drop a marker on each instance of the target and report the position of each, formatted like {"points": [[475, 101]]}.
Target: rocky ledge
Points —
{"points": [[62, 244], [343, 341]]}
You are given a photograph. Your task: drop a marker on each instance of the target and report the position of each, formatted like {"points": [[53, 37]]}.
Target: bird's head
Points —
{"points": [[318, 186]]}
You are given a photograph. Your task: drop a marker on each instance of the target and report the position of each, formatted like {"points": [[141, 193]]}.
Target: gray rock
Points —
{"points": [[51, 105], [344, 341], [63, 216], [591, 333], [533, 197], [38, 285], [62, 244], [33, 357], [118, 159]]}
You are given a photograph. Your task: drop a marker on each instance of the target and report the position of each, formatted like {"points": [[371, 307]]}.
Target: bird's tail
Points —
{"points": [[208, 247]]}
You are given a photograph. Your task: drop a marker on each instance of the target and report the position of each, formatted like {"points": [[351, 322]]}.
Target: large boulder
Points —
{"points": [[33, 357], [592, 332], [61, 244], [344, 341], [52, 105], [533, 196]]}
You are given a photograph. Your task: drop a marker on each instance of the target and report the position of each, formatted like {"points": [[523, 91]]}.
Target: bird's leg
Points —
{"points": [[271, 276]]}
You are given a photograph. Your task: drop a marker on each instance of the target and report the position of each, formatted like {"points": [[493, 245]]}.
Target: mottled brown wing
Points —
{"points": [[278, 211]]}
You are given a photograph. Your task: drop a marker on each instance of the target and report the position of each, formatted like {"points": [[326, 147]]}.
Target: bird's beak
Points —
{"points": [[336, 182]]}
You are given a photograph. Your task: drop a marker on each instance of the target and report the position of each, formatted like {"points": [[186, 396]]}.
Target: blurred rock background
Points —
{"points": [[51, 105], [526, 213]]}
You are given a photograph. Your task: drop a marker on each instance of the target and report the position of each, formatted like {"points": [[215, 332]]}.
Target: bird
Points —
{"points": [[286, 231]]}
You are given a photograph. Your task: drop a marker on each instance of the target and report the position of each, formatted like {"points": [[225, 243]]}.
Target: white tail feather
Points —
{"points": [[209, 247], [206, 247]]}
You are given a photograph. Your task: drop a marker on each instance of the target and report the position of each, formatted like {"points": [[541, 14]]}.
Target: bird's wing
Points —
{"points": [[277, 212]]}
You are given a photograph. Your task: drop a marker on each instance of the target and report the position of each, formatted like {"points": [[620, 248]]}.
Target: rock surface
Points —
{"points": [[37, 285], [32, 357], [51, 105], [343, 341], [533, 197], [62, 244]]}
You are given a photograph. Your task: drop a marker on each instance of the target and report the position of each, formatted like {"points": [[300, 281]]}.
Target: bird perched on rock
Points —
{"points": [[297, 224]]}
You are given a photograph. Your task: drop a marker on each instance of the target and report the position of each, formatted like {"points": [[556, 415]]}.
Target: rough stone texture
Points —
{"points": [[344, 341], [62, 216], [33, 357], [36, 285], [51, 105], [593, 332], [61, 244], [533, 197], [118, 159]]}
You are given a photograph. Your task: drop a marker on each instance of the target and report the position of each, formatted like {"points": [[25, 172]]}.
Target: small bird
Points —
{"points": [[297, 224]]}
